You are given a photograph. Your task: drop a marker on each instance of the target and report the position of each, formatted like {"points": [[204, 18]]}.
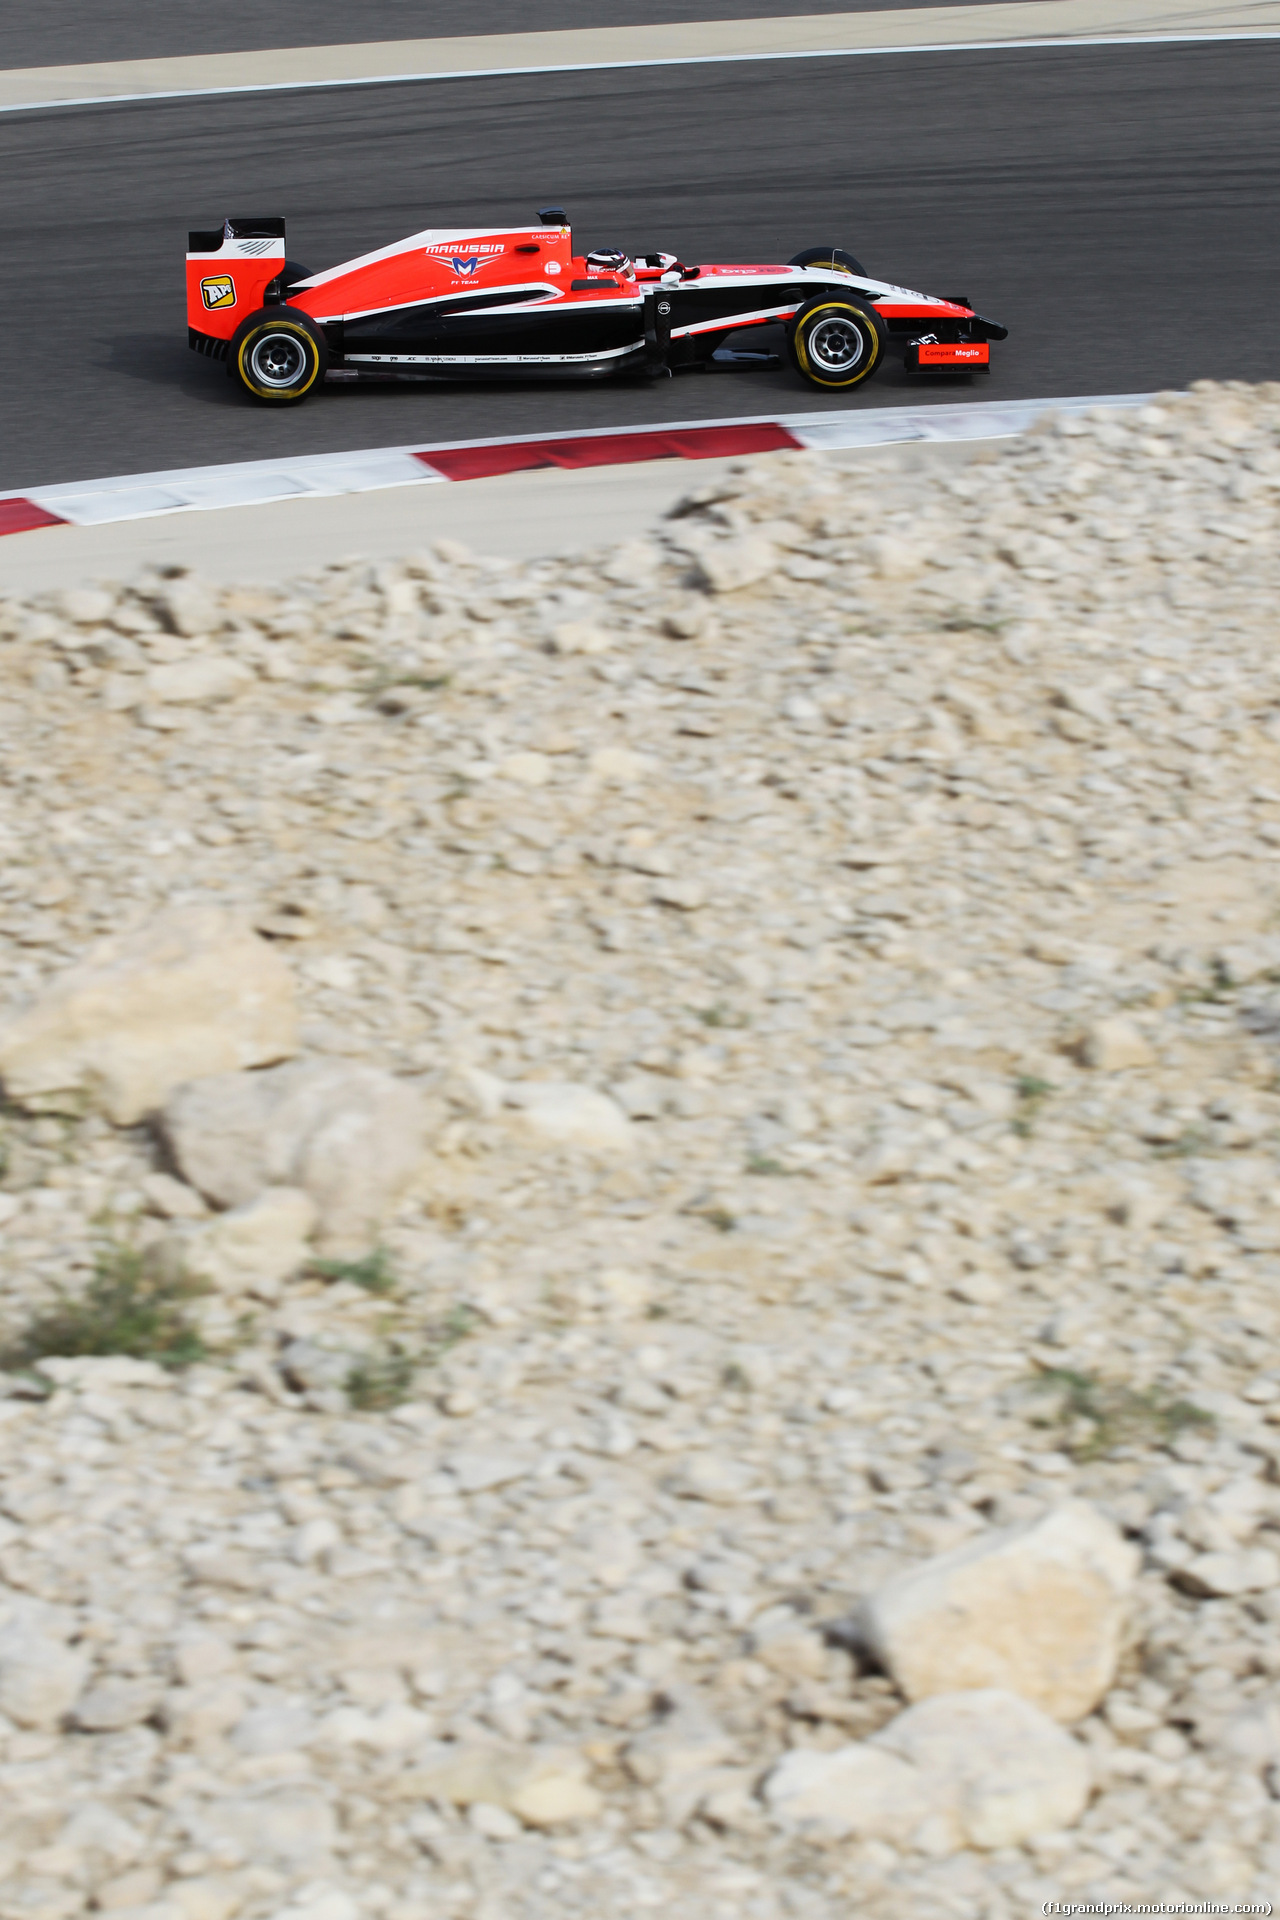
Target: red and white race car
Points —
{"points": [[474, 303]]}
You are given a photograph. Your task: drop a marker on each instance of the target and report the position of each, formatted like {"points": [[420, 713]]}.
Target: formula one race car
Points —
{"points": [[473, 303]]}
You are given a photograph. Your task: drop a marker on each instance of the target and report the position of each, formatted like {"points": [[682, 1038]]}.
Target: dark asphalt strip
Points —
{"points": [[1116, 208], [65, 32]]}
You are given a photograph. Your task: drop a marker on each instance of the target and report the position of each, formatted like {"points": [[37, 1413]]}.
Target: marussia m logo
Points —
{"points": [[466, 265]]}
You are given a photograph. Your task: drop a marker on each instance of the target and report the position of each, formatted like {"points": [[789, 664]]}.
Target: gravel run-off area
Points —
{"points": [[640, 1215]]}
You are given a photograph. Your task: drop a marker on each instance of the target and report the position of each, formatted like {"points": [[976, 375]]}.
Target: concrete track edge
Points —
{"points": [[518, 516], [991, 25]]}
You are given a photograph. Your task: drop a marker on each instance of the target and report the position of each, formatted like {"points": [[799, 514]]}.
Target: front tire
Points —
{"points": [[278, 356], [838, 343], [833, 257]]}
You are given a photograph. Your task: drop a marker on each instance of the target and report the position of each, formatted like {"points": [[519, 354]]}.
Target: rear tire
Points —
{"points": [[278, 355], [837, 343], [832, 257]]}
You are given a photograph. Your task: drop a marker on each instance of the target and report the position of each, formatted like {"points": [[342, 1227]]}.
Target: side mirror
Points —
{"points": [[553, 216]]}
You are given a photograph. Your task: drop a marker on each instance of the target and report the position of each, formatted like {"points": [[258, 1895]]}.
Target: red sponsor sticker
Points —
{"points": [[946, 354]]}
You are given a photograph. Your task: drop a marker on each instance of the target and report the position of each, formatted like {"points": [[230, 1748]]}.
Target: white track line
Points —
{"points": [[989, 25], [140, 496]]}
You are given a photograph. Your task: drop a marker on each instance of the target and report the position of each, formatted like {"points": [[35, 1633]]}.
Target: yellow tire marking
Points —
{"points": [[273, 393], [819, 379]]}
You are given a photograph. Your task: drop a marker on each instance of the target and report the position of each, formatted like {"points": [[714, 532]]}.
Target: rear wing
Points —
{"points": [[229, 269]]}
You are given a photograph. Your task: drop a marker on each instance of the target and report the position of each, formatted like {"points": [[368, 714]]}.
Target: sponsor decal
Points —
{"points": [[219, 290], [727, 273], [553, 266], [933, 353], [466, 261], [664, 308]]}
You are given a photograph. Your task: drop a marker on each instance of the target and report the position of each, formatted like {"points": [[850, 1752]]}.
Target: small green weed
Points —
{"points": [[458, 1324], [125, 1309], [376, 1383], [1031, 1093], [1098, 1416], [372, 1273], [386, 680], [765, 1166], [1192, 1140], [719, 1015], [385, 1379]]}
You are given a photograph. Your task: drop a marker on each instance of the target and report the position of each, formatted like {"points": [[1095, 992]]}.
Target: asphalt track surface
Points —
{"points": [[64, 32], [1115, 207]]}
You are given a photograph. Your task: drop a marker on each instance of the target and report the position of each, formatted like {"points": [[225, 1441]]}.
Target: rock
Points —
{"points": [[253, 1248], [686, 895], [1114, 1045], [544, 1787], [620, 766], [188, 607], [715, 1478], [1036, 1609], [266, 1730], [194, 992], [101, 1372], [203, 1656], [1252, 1733], [477, 1472], [84, 606], [977, 1288], [563, 1114], [206, 1897], [856, 1790], [40, 1677], [579, 636], [172, 1199], [198, 682], [289, 1827], [727, 566], [132, 1891], [1010, 1771], [981, 1769], [350, 1136], [311, 1368], [556, 1799], [196, 1715], [116, 1703], [526, 769], [681, 1755], [1214, 1575]]}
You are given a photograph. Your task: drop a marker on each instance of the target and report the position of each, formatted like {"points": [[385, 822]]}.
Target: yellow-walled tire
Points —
{"points": [[278, 356], [838, 342]]}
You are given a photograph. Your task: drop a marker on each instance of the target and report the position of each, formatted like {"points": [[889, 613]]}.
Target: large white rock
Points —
{"points": [[1009, 1770], [980, 1769], [1037, 1609], [350, 1136], [193, 992]]}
